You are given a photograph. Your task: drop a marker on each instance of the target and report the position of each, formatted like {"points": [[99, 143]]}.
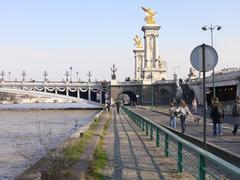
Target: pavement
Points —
{"points": [[228, 141], [132, 155]]}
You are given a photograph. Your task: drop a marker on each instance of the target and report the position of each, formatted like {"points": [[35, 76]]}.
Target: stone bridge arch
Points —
{"points": [[131, 97]]}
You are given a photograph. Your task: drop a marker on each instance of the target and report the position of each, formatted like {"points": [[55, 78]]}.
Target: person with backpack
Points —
{"points": [[183, 111], [172, 114], [217, 116], [236, 115]]}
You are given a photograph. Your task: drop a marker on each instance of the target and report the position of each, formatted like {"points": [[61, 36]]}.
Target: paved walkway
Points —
{"points": [[132, 155]]}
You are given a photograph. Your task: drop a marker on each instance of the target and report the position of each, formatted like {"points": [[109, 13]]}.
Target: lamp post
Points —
{"points": [[45, 74], [23, 74], [70, 74], [89, 74], [9, 75], [2, 74], [77, 76], [67, 74], [211, 28]]}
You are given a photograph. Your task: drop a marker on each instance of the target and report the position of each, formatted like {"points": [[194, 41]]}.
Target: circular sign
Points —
{"points": [[211, 58]]}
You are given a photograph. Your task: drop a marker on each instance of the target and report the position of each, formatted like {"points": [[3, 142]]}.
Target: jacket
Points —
{"points": [[217, 113]]}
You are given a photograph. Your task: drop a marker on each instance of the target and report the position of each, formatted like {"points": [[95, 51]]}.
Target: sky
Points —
{"points": [[39, 35]]}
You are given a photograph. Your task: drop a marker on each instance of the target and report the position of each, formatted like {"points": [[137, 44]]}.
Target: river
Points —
{"points": [[25, 133]]}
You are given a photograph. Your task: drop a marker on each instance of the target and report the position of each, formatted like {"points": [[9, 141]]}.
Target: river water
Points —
{"points": [[25, 133]]}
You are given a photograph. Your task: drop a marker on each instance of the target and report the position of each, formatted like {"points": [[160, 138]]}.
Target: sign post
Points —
{"points": [[204, 58]]}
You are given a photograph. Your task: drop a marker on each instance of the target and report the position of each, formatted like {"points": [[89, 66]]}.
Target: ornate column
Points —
{"points": [[139, 62], [139, 57]]}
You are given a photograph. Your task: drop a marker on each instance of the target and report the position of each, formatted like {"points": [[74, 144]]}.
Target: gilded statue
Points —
{"points": [[138, 41], [149, 15]]}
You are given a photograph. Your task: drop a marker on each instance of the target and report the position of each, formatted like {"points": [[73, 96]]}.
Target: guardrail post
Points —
{"points": [[157, 137], [143, 124], [151, 132], [179, 158], [146, 128], [166, 145], [201, 168], [140, 122]]}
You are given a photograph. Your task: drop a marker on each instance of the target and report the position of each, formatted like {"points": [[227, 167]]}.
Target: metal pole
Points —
{"points": [[204, 98], [213, 72]]}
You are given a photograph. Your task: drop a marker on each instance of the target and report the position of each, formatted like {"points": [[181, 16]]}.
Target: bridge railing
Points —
{"points": [[189, 157]]}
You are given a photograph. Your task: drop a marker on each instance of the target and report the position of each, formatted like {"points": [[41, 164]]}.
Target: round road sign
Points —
{"points": [[211, 58]]}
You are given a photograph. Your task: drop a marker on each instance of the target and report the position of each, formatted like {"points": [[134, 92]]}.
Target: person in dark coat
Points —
{"points": [[236, 115], [217, 115], [117, 103]]}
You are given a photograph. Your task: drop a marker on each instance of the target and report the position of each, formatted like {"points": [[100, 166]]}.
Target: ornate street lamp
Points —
{"points": [[2, 74], [67, 74], [70, 74], [9, 76], [77, 76], [89, 74], [211, 28], [23, 74], [45, 74]]}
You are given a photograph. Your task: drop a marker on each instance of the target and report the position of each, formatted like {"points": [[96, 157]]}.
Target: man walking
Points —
{"points": [[236, 115], [217, 115]]}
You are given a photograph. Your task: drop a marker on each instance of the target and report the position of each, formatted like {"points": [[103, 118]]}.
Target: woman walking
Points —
{"points": [[172, 114], [183, 111]]}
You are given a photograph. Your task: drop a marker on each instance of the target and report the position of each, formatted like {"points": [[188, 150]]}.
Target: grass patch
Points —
{"points": [[72, 154], [100, 156]]}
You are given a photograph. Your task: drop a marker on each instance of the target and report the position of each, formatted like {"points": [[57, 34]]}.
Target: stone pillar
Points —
{"points": [[67, 92], [151, 56], [56, 91], [89, 94], [139, 60], [78, 93], [45, 89]]}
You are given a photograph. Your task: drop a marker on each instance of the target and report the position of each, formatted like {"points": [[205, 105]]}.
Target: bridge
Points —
{"points": [[76, 91]]}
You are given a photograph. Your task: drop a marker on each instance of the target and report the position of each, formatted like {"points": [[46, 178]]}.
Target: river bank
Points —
{"points": [[25, 133]]}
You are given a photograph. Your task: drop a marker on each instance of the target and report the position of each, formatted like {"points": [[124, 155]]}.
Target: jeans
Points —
{"points": [[173, 122], [183, 122], [217, 129]]}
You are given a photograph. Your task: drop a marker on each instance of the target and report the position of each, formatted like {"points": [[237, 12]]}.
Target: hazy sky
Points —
{"points": [[53, 35]]}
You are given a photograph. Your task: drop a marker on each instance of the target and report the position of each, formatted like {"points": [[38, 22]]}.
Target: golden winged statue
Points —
{"points": [[149, 15], [138, 41]]}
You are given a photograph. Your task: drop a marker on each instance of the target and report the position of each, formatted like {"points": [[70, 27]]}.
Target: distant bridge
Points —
{"points": [[77, 91]]}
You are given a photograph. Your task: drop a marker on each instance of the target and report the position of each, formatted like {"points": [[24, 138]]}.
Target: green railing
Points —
{"points": [[186, 154]]}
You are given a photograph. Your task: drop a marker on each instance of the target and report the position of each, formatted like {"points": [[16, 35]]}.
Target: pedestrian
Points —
{"points": [[194, 105], [117, 103], [172, 114], [236, 115], [183, 110], [217, 115]]}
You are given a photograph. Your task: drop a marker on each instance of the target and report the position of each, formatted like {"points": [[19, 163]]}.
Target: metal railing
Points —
{"points": [[189, 157]]}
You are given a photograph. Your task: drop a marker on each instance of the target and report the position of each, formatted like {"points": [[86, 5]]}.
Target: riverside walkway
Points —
{"points": [[133, 155], [228, 142]]}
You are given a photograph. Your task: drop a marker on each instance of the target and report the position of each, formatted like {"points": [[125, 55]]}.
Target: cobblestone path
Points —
{"points": [[132, 155]]}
